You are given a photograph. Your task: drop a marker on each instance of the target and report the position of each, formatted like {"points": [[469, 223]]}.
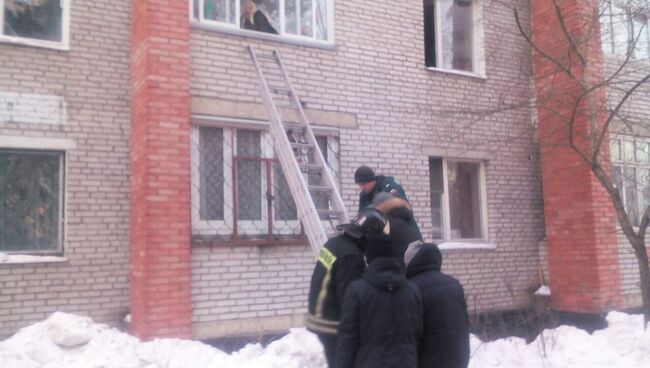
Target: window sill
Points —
{"points": [[294, 40], [29, 259], [61, 46], [459, 245], [457, 72]]}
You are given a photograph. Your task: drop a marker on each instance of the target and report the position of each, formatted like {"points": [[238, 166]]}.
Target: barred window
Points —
{"points": [[239, 192], [31, 197]]}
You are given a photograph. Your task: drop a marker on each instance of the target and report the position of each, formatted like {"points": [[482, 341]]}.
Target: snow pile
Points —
{"points": [[624, 343], [543, 290], [69, 341]]}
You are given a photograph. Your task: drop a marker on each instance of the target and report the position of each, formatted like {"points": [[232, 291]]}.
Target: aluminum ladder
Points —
{"points": [[294, 144]]}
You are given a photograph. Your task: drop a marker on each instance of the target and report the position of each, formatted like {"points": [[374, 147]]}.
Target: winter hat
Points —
{"points": [[412, 250], [378, 245], [364, 174]]}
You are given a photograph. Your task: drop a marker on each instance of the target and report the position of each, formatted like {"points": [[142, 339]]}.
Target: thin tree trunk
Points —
{"points": [[644, 273]]}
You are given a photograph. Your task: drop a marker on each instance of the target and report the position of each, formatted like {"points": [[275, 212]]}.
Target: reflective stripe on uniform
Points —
{"points": [[326, 258]]}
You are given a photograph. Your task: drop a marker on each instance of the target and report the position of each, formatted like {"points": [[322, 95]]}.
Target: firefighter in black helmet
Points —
{"points": [[340, 262]]}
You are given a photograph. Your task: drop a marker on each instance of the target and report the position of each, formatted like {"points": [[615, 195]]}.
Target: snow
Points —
{"points": [[71, 341], [24, 258], [543, 290]]}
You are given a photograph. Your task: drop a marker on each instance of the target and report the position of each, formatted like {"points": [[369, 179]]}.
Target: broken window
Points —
{"points": [[33, 19], [449, 34], [30, 201], [303, 18]]}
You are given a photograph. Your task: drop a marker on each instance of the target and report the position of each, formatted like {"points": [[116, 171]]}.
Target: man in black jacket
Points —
{"points": [[445, 339], [381, 320], [371, 184], [340, 262]]}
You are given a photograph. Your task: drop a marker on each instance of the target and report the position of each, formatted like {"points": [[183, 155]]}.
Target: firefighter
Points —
{"points": [[340, 262]]}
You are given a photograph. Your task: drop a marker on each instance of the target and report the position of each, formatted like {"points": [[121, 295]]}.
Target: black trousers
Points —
{"points": [[329, 345]]}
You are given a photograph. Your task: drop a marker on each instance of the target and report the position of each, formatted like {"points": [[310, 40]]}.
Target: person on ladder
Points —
{"points": [[371, 184], [340, 262]]}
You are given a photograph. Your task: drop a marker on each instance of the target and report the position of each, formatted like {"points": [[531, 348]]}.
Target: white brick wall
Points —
{"points": [[85, 92], [637, 113], [377, 73]]}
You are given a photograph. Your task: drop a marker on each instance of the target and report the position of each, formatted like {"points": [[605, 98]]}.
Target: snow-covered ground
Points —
{"points": [[69, 341]]}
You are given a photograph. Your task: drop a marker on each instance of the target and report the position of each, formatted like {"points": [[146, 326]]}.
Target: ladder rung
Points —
{"points": [[329, 213], [281, 91], [310, 167], [301, 145], [285, 106], [267, 57], [319, 188]]}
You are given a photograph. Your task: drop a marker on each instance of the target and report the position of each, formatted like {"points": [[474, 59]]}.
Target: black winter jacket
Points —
{"points": [[403, 228], [381, 321], [445, 340], [340, 262], [382, 184]]}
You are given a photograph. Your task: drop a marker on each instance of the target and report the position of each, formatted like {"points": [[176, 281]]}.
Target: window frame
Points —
{"points": [[609, 42], [225, 228], [478, 55], [63, 45], [46, 145], [214, 25], [445, 202], [623, 164]]}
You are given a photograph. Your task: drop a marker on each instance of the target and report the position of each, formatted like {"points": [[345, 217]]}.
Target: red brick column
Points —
{"points": [[160, 169], [580, 220]]}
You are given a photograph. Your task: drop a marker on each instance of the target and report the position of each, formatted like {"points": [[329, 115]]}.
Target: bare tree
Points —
{"points": [[594, 106]]}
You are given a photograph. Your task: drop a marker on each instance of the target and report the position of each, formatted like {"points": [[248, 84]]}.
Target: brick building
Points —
{"points": [[152, 188]]}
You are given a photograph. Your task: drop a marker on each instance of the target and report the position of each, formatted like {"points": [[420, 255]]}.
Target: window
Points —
{"points": [[297, 19], [450, 34], [458, 210], [238, 188], [624, 28], [35, 22], [31, 201], [631, 175]]}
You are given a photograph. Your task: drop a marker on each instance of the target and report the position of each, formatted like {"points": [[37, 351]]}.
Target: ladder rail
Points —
{"points": [[338, 204], [306, 208]]}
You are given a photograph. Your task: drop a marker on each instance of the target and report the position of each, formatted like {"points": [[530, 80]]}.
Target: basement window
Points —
{"points": [[42, 23], [289, 19]]}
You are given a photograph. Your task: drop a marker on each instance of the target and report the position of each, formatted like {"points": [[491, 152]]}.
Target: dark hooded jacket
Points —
{"points": [[382, 184], [445, 340], [403, 228], [340, 262], [381, 321]]}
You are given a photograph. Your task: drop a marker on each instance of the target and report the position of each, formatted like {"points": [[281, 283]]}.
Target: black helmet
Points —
{"points": [[368, 221]]}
